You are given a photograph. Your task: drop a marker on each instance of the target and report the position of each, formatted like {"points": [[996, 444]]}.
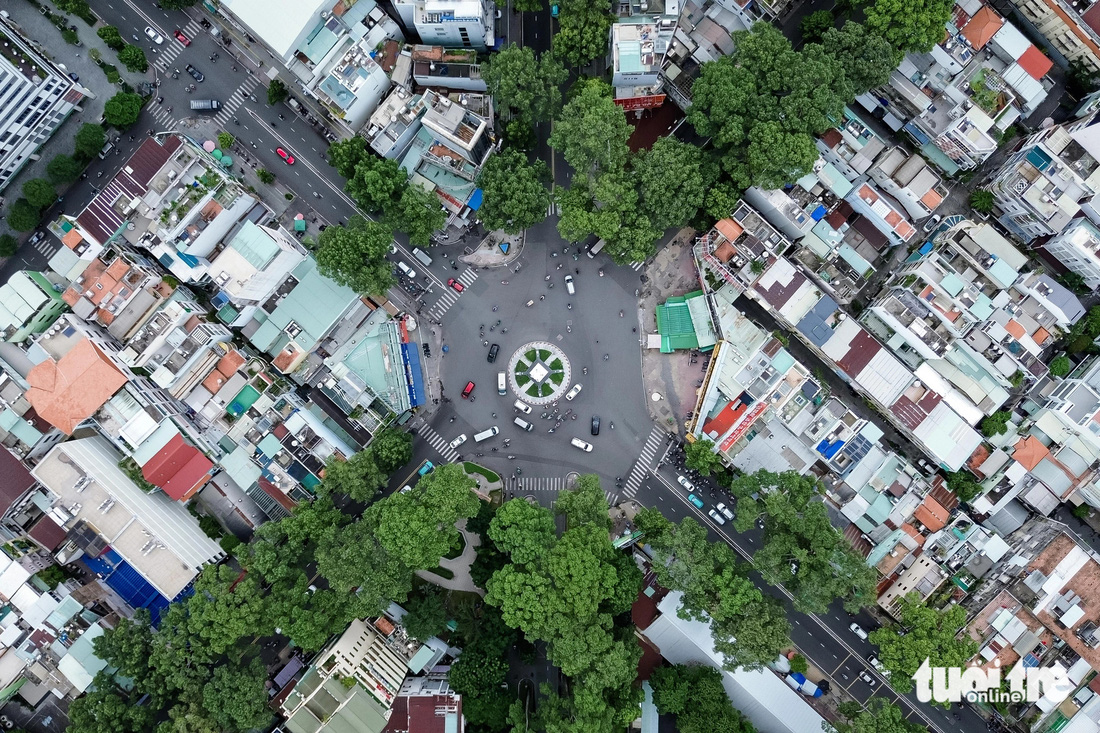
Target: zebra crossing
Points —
{"points": [[637, 266], [46, 246], [236, 99], [641, 466], [173, 48], [524, 485], [450, 296], [437, 441]]}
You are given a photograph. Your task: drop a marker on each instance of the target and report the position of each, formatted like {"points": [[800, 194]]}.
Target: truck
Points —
{"points": [[211, 105], [595, 249], [799, 682], [422, 256]]}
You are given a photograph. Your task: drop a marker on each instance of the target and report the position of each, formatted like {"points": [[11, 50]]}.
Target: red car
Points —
{"points": [[182, 38], [285, 156], [459, 287], [469, 388]]}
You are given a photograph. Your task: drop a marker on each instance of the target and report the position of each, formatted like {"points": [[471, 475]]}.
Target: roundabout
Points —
{"points": [[539, 372]]}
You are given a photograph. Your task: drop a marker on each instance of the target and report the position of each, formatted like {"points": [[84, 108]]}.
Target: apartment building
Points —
{"points": [[38, 97], [1072, 33], [703, 33], [640, 37], [30, 302], [452, 23]]}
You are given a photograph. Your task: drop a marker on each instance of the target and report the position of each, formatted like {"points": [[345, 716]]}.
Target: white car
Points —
{"points": [[932, 223], [682, 480], [858, 630], [153, 35], [725, 510], [522, 407], [573, 392], [866, 677], [584, 445], [569, 285], [713, 514], [458, 441]]}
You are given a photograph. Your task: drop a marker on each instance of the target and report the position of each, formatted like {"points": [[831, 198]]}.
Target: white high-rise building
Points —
{"points": [[451, 23], [35, 98]]}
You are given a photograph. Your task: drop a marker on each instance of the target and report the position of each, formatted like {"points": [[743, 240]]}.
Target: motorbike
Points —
{"points": [[585, 370]]}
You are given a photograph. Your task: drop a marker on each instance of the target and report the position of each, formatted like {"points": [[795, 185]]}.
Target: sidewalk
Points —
{"points": [[487, 252], [460, 566]]}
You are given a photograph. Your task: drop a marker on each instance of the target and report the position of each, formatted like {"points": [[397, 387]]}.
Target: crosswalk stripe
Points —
{"points": [[437, 441], [636, 266], [641, 466], [450, 296]]}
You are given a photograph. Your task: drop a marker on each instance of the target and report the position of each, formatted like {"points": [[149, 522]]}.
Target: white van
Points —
{"points": [[569, 285], [486, 434], [502, 388], [522, 407], [524, 424], [408, 271], [582, 444], [595, 250]]}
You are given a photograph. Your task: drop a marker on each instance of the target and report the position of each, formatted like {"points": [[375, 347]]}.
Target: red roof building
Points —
{"points": [[1035, 63], [179, 468]]}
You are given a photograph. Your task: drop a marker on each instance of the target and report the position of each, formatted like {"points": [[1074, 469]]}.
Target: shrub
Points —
{"points": [[111, 37], [70, 37], [225, 140], [982, 201], [9, 245], [265, 176], [277, 92], [1060, 366], [996, 423], [133, 58]]}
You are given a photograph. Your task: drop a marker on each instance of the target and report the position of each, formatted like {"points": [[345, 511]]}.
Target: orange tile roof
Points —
{"points": [[214, 381], [893, 219], [912, 532], [931, 199], [1040, 336], [905, 229], [1014, 328], [729, 229], [982, 27], [931, 514], [230, 363], [1035, 63], [69, 391], [72, 239], [1029, 451]]}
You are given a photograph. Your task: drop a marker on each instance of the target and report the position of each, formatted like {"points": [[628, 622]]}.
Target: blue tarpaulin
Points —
{"points": [[819, 213], [475, 200], [128, 582], [828, 449], [414, 374]]}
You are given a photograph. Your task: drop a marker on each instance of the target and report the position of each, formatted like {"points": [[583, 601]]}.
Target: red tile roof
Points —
{"points": [[1029, 452], [724, 420], [931, 514], [179, 468], [1035, 63], [421, 713], [69, 391], [15, 479]]}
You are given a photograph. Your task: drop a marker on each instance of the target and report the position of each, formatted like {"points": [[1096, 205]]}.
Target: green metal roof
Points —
{"points": [[240, 468], [315, 304], [255, 245]]}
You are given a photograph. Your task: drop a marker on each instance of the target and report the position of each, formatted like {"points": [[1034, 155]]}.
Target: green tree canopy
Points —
{"points": [[866, 57], [763, 104], [22, 217], [376, 183], [671, 182], [277, 92], [583, 30], [39, 193], [417, 213], [427, 615], [909, 25], [110, 35], [524, 86], [391, 448], [122, 110], [515, 192], [359, 477], [592, 131], [965, 486], [695, 695], [89, 140], [995, 424], [133, 58], [802, 550], [931, 633], [63, 169], [815, 25], [9, 245], [344, 155], [1060, 366], [106, 709], [227, 607], [879, 715], [981, 200], [522, 530], [355, 256], [235, 696], [699, 456]]}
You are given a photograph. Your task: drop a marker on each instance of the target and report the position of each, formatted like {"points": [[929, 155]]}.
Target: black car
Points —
{"points": [[195, 73], [595, 424], [493, 351]]}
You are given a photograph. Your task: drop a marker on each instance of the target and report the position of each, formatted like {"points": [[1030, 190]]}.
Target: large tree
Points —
{"points": [[909, 25], [227, 606], [89, 140], [583, 30], [63, 169], [358, 477], [391, 448], [111, 36], [235, 696], [106, 709], [523, 86], [133, 58], [22, 217], [695, 695], [592, 131], [515, 192], [344, 155], [427, 615], [763, 104], [376, 183], [929, 633], [122, 110], [866, 57], [802, 550], [355, 256], [671, 182], [418, 213], [522, 530], [699, 455], [878, 715], [748, 629], [40, 193]]}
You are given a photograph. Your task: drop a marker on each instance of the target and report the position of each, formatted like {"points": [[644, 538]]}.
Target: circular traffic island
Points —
{"points": [[539, 372]]}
